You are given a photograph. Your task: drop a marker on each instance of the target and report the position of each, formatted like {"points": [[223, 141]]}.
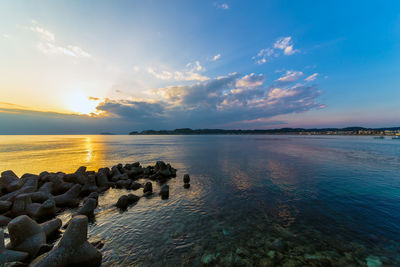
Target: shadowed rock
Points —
{"points": [[88, 207], [164, 193], [124, 184], [95, 196], [135, 186], [7, 255], [52, 227], [73, 248], [4, 220], [20, 205], [148, 188], [43, 211], [26, 235], [59, 186], [90, 185], [69, 198], [10, 181], [102, 181], [5, 206], [186, 186], [186, 178], [126, 200], [30, 185]]}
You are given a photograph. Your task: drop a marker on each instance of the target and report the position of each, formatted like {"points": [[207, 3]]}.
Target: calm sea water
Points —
{"points": [[253, 200]]}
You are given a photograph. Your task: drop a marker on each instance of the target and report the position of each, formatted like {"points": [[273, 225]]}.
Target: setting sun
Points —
{"points": [[79, 103]]}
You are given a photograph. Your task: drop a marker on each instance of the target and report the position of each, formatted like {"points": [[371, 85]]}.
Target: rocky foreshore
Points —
{"points": [[29, 207]]}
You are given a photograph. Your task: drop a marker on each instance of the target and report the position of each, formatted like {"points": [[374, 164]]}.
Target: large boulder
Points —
{"points": [[7, 255], [10, 181], [73, 248], [69, 198], [26, 235]]}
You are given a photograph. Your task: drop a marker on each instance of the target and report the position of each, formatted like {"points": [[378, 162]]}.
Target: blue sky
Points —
{"points": [[94, 66]]}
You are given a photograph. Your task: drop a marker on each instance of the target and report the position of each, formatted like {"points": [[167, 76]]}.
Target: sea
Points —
{"points": [[254, 200]]}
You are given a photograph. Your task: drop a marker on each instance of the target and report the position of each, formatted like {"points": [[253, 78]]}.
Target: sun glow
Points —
{"points": [[79, 103]]}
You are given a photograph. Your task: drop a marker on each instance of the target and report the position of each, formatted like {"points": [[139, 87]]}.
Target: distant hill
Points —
{"points": [[188, 131]]}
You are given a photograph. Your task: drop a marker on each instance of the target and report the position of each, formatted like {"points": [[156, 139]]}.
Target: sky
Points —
{"points": [[70, 67]]}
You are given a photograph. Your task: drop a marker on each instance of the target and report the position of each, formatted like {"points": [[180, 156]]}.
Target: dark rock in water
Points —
{"points": [[95, 196], [123, 202], [186, 185], [133, 198], [124, 184], [135, 186], [102, 181], [5, 206], [73, 248], [4, 220], [26, 235], [7, 255], [88, 207], [69, 198], [99, 244], [148, 187], [164, 192], [10, 181], [51, 228], [81, 170], [186, 178], [126, 200]]}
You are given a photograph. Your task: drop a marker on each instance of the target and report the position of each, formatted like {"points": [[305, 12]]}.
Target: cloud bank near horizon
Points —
{"points": [[231, 101]]}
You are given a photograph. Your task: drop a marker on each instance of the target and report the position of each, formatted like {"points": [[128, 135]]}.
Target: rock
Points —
{"points": [[43, 211], [69, 198], [81, 170], [7, 255], [186, 185], [47, 188], [51, 228], [26, 235], [135, 186], [88, 207], [95, 196], [73, 248], [24, 189], [39, 197], [126, 200], [59, 186], [186, 178], [164, 191], [148, 188], [124, 184], [123, 202], [5, 206], [115, 174], [71, 178], [102, 181], [4, 220], [10, 181], [133, 198], [20, 205], [134, 172], [90, 185]]}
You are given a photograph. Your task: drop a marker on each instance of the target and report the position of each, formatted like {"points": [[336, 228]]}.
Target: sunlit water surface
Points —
{"points": [[253, 200]]}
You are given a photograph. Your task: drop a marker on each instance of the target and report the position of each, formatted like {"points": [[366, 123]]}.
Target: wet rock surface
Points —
{"points": [[32, 199]]}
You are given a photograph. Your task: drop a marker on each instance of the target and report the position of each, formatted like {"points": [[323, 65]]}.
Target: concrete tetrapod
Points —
{"points": [[7, 255], [73, 248]]}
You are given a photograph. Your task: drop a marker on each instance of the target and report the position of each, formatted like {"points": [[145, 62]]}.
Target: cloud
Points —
{"points": [[190, 73], [283, 44], [251, 81], [312, 77], [290, 76], [48, 44], [216, 57], [224, 6]]}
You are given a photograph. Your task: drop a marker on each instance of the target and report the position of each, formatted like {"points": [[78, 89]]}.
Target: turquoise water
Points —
{"points": [[253, 200]]}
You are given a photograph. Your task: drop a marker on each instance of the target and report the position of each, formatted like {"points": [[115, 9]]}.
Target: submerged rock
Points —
{"points": [[26, 235], [164, 193], [7, 255]]}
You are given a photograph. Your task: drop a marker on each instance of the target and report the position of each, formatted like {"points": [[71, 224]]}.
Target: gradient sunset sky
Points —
{"points": [[118, 66]]}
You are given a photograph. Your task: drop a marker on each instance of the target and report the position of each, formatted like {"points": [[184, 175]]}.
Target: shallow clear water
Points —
{"points": [[253, 200]]}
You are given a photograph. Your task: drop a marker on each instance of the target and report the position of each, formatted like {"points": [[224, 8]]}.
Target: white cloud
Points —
{"points": [[48, 44], [283, 44], [162, 75], [45, 34], [251, 81], [191, 73], [216, 57], [312, 77], [5, 35], [290, 76], [224, 6]]}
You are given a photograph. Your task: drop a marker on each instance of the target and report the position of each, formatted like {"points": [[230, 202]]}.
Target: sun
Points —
{"points": [[80, 103]]}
